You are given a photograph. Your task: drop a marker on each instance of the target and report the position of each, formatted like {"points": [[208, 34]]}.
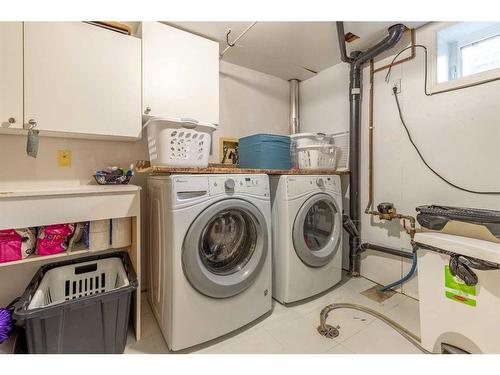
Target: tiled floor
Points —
{"points": [[293, 329]]}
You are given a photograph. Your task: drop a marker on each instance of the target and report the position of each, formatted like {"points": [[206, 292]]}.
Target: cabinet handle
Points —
{"points": [[30, 125], [11, 120], [147, 111]]}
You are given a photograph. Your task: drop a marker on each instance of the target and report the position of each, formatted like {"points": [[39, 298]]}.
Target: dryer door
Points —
{"points": [[317, 230], [225, 248]]}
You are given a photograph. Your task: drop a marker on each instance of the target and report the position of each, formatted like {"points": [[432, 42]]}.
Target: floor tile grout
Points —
{"points": [[274, 333]]}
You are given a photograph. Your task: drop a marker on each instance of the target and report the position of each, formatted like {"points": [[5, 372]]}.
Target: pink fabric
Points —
{"points": [[10, 246], [53, 239]]}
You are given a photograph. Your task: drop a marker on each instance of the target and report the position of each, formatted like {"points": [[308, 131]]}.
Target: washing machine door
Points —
{"points": [[317, 230], [225, 248]]}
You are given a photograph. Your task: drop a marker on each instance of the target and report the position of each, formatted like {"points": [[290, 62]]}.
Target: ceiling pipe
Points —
{"points": [[395, 34], [342, 46], [356, 60], [294, 106]]}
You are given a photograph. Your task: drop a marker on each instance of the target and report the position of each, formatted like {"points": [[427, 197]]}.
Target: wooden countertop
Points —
{"points": [[143, 166]]}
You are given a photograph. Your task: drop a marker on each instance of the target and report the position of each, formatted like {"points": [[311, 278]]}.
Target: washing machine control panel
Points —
{"points": [[230, 184]]}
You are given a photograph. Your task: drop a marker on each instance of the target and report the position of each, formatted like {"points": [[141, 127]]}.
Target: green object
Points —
{"points": [[452, 283], [460, 292]]}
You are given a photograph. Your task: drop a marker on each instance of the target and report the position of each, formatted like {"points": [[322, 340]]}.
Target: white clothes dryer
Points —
{"points": [[307, 235]]}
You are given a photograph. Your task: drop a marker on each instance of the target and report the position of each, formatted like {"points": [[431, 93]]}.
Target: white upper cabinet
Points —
{"points": [[82, 80], [11, 75], [180, 74]]}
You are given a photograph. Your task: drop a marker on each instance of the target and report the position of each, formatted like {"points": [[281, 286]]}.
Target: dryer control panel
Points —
{"points": [[229, 184], [297, 185]]}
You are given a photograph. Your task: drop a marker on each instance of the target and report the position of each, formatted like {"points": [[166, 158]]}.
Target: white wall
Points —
{"points": [[251, 102], [457, 132], [324, 101]]}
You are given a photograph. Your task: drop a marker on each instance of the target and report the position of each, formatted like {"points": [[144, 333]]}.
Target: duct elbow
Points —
{"points": [[395, 33], [341, 40]]}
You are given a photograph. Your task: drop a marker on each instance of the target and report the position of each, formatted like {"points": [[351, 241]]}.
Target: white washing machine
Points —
{"points": [[307, 235], [209, 254]]}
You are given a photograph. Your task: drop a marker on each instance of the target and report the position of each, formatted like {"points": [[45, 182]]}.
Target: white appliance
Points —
{"points": [[209, 254], [307, 235], [452, 314]]}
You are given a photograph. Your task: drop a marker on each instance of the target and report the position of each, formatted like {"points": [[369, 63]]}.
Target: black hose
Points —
{"points": [[426, 92], [395, 91]]}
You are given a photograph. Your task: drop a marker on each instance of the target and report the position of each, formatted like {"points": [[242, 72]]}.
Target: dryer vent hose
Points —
{"points": [[331, 332]]}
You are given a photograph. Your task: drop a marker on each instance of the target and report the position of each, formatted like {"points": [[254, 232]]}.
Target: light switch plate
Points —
{"points": [[64, 158]]}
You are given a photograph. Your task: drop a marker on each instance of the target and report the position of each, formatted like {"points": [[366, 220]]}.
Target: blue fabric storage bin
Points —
{"points": [[265, 151]]}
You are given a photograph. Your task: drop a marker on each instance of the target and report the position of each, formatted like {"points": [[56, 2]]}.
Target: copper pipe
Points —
{"points": [[384, 216], [370, 142]]}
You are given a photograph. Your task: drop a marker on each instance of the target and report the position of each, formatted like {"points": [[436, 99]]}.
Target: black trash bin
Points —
{"points": [[79, 306]]}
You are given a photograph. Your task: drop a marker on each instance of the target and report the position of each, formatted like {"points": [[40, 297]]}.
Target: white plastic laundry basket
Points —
{"points": [[179, 142], [316, 156], [307, 139], [79, 280], [341, 141]]}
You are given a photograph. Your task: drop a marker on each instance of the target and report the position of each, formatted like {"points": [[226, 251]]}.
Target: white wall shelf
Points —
{"points": [[31, 208], [54, 257]]}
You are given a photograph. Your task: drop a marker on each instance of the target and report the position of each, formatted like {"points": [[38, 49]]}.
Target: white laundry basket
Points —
{"points": [[312, 151], [316, 156], [79, 280], [341, 141], [179, 142], [307, 139]]}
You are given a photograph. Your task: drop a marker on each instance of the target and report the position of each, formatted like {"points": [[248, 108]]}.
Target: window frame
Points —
{"points": [[434, 85]]}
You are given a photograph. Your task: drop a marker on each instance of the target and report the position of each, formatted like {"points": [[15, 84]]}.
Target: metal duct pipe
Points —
{"points": [[294, 106], [357, 60]]}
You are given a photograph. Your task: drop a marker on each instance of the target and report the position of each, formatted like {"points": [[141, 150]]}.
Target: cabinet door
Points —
{"points": [[11, 74], [180, 73], [82, 80]]}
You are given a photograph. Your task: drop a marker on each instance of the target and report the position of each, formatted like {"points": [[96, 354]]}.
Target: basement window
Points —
{"points": [[465, 53]]}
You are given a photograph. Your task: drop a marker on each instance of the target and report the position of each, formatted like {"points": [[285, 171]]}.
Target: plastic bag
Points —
{"points": [[16, 244], [10, 245], [53, 239]]}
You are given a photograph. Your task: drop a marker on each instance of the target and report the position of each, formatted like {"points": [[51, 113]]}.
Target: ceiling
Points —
{"points": [[288, 49]]}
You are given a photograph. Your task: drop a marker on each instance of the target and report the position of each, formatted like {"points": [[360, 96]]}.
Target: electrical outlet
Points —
{"points": [[64, 158], [396, 84]]}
